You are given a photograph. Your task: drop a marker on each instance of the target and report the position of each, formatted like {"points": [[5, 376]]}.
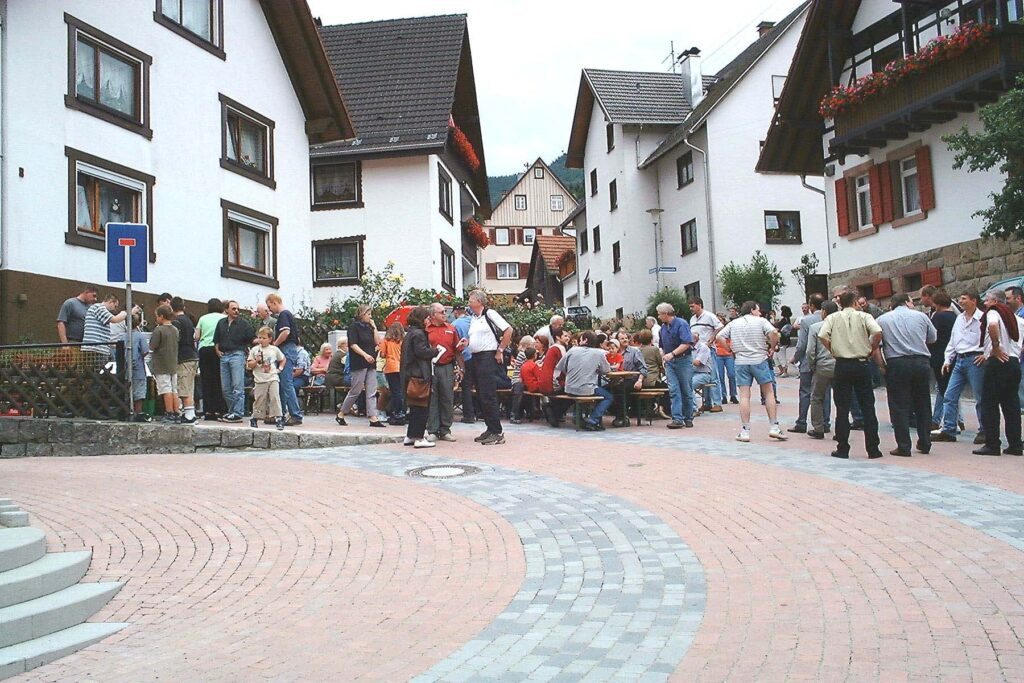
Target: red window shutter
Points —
{"points": [[842, 207], [524, 270], [882, 288], [875, 179], [492, 270], [932, 276], [885, 180], [540, 232], [925, 186], [494, 236], [519, 235]]}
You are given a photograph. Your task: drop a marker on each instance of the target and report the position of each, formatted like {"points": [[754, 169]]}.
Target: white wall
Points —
{"points": [[183, 154], [958, 194], [629, 224], [440, 229]]}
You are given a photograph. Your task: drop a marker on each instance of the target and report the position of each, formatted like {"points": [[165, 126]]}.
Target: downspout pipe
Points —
{"points": [[710, 220], [824, 211]]}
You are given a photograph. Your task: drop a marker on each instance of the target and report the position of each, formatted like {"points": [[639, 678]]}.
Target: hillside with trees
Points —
{"points": [[572, 178]]}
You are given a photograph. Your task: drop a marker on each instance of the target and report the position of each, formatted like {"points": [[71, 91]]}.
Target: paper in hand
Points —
{"points": [[440, 352]]}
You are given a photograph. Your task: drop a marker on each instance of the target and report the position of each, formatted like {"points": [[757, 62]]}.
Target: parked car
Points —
{"points": [[579, 315], [1017, 281]]}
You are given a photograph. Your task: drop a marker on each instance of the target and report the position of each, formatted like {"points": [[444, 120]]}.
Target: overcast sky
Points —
{"points": [[527, 54]]}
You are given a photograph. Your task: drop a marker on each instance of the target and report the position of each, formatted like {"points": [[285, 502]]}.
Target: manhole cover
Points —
{"points": [[443, 471]]}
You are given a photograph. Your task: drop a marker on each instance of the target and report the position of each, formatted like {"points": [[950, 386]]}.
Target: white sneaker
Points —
{"points": [[408, 442], [431, 437], [776, 433], [446, 437], [423, 443], [743, 436]]}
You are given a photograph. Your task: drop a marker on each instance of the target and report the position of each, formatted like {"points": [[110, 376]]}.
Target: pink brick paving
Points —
{"points": [[240, 569]]}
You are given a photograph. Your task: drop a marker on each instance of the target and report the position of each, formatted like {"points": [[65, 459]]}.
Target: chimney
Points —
{"points": [[764, 27], [693, 80]]}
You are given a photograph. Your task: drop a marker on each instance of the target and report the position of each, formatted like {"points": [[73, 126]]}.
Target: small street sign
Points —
{"points": [[667, 269], [127, 252]]}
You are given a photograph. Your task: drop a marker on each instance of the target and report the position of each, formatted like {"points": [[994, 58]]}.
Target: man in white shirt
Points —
{"points": [[707, 326], [964, 365], [552, 329], [652, 324], [489, 336], [1002, 376], [754, 339]]}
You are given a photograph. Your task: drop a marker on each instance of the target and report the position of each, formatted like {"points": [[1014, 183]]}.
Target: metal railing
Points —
{"points": [[64, 380]]}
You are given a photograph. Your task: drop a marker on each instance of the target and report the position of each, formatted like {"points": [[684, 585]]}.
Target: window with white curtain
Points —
{"points": [[250, 245], [248, 142], [104, 197], [336, 185], [196, 16], [106, 78], [338, 261]]}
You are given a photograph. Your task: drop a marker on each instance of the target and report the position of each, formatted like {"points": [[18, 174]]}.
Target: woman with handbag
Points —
{"points": [[362, 344], [417, 373]]}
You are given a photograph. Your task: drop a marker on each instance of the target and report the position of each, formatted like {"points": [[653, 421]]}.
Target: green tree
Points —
{"points": [[999, 145], [669, 295], [759, 281], [808, 266]]}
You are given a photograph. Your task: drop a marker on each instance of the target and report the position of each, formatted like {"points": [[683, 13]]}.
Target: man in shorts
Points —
{"points": [[754, 341]]}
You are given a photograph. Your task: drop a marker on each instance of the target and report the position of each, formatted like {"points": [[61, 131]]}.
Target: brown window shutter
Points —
{"points": [[842, 207], [524, 270], [519, 235], [885, 186], [491, 269], [875, 179], [925, 186], [932, 276], [882, 288], [539, 232], [494, 236]]}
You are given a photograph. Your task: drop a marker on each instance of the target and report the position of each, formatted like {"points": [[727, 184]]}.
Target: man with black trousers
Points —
{"points": [[906, 334], [853, 337], [489, 336], [1002, 346]]}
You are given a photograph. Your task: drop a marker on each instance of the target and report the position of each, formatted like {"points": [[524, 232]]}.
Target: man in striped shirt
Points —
{"points": [[98, 320], [754, 340]]}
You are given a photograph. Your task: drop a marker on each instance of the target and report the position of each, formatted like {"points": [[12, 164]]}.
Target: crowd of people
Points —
{"points": [[844, 348]]}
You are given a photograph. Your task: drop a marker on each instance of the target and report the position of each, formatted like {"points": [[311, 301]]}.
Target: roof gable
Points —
{"points": [[625, 97], [725, 80], [305, 60], [399, 78], [550, 248], [527, 173]]}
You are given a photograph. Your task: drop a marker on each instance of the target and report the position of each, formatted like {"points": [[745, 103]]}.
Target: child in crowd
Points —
{"points": [[529, 376], [266, 362], [390, 351], [614, 357], [164, 364], [525, 342], [140, 383]]}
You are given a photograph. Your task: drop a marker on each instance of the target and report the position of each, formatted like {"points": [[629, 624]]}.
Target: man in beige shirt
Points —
{"points": [[853, 337]]}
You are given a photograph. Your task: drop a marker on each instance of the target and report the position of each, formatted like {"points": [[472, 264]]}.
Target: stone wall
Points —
{"points": [[975, 264], [22, 437]]}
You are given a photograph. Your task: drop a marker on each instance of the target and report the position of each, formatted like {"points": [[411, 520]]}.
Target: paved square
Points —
{"points": [[634, 554]]}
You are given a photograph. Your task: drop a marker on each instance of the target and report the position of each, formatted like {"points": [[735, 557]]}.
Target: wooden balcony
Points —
{"points": [[935, 96]]}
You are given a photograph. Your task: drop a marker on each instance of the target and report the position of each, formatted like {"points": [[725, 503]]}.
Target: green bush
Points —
{"points": [[761, 281], [670, 295]]}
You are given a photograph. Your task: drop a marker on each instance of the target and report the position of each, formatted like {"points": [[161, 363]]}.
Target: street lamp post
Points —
{"points": [[656, 218]]}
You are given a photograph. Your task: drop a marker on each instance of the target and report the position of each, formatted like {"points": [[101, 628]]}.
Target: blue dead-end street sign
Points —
{"points": [[127, 252]]}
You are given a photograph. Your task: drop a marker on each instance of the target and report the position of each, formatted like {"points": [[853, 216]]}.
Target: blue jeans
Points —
{"points": [[289, 399], [716, 391], [964, 372], [726, 366], [232, 381], [602, 407], [700, 378], [679, 373]]}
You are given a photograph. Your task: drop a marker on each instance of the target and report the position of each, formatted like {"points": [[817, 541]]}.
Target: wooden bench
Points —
{"points": [[581, 406], [645, 400], [311, 396]]}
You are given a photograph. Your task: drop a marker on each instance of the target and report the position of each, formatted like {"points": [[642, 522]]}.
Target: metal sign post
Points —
{"points": [[127, 262]]}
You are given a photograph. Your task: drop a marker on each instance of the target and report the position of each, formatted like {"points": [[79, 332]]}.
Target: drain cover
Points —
{"points": [[443, 471]]}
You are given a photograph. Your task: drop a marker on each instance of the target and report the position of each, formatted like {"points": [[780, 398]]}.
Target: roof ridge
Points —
{"points": [[395, 20]]}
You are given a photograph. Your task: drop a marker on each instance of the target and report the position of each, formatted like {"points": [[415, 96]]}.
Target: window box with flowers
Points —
{"points": [[476, 233], [464, 148], [902, 84]]}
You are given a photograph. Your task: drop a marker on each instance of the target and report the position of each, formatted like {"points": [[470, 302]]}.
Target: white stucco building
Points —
{"points": [[680, 150], [899, 215], [197, 122], [404, 188]]}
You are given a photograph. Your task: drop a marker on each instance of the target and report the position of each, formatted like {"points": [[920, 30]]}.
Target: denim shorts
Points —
{"points": [[139, 387], [760, 373]]}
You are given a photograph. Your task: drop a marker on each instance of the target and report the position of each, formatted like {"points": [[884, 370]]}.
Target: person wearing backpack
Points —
{"points": [[489, 336]]}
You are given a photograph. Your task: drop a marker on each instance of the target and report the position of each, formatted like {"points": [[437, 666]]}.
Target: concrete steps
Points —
{"points": [[42, 604], [17, 659]]}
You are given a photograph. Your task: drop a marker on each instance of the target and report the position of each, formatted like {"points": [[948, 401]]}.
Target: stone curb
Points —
{"points": [[26, 437]]}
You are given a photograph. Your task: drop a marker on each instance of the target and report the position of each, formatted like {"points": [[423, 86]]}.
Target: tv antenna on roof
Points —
{"points": [[671, 56]]}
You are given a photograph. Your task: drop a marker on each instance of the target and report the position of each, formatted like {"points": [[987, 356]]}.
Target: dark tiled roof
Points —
{"points": [[638, 96], [398, 78], [551, 247], [725, 79]]}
